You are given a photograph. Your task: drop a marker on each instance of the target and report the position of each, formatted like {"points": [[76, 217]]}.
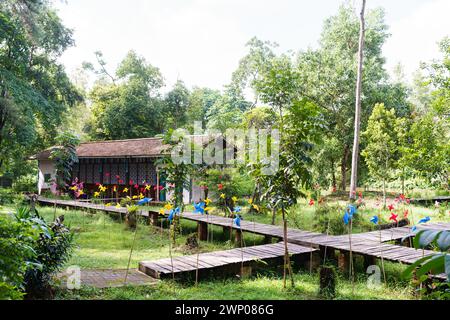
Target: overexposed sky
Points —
{"points": [[201, 41]]}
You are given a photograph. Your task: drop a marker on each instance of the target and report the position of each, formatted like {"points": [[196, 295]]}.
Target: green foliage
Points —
{"points": [[381, 144], [52, 247], [434, 264], [34, 88], [65, 156], [129, 106], [176, 105], [10, 196], [328, 220], [16, 252], [26, 183]]}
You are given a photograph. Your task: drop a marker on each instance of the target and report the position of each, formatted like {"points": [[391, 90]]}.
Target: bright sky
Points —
{"points": [[201, 41]]}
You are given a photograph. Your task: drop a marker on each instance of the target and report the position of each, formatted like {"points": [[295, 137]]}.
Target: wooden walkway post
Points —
{"points": [[202, 228], [153, 218]]}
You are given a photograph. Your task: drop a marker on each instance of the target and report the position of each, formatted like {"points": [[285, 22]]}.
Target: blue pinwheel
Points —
{"points": [[374, 220], [172, 214], [237, 209], [237, 221], [199, 207], [349, 212], [144, 201], [423, 220]]}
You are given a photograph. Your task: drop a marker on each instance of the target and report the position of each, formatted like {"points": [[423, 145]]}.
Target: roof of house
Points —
{"points": [[144, 147]]}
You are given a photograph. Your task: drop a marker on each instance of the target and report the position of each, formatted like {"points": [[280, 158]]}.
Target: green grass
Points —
{"points": [[259, 287], [103, 241]]}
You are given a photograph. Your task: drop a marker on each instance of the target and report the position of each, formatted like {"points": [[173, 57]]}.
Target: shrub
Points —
{"points": [[329, 219], [9, 196], [53, 247], [15, 254], [26, 183]]}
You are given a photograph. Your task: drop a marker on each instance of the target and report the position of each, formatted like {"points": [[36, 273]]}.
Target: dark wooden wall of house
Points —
{"points": [[105, 171]]}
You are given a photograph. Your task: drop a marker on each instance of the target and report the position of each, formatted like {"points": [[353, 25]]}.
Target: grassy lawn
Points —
{"points": [[102, 241]]}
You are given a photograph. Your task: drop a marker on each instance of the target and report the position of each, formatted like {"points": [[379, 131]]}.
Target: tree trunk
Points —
{"points": [[287, 260], [403, 181], [274, 212], [344, 167], [333, 175], [384, 193], [355, 153]]}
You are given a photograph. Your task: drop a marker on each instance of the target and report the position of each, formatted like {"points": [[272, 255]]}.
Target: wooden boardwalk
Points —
{"points": [[369, 244], [221, 261]]}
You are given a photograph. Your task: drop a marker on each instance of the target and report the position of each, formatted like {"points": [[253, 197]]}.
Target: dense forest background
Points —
{"points": [[405, 140]]}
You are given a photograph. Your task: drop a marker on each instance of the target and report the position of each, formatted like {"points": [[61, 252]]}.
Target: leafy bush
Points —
{"points": [[434, 264], [9, 196], [26, 183], [329, 219], [53, 247], [15, 254]]}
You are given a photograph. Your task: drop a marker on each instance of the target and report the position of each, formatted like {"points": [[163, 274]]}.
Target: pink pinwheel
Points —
{"points": [[391, 207]]}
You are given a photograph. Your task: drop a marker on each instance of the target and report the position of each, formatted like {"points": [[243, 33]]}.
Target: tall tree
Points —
{"points": [[130, 107], [328, 76], [176, 105], [355, 154], [34, 88], [381, 149]]}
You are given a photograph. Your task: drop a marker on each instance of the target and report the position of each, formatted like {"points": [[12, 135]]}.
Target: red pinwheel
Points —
{"points": [[311, 202], [220, 186], [130, 182], [334, 189], [136, 186], [391, 207], [117, 177], [107, 174], [360, 195], [405, 214], [393, 217], [120, 181]]}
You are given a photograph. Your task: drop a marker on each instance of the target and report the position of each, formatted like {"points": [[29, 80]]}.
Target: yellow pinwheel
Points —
{"points": [[235, 199], [108, 204], [162, 211], [250, 201], [141, 196], [125, 190], [118, 206], [222, 196], [208, 201], [134, 197], [168, 206], [147, 187], [74, 188], [256, 207], [96, 194]]}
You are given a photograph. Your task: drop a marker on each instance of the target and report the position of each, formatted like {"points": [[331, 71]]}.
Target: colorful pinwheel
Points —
{"points": [[237, 209], [237, 221], [423, 220], [349, 212], [374, 220], [393, 217], [199, 207], [173, 213], [144, 201]]}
